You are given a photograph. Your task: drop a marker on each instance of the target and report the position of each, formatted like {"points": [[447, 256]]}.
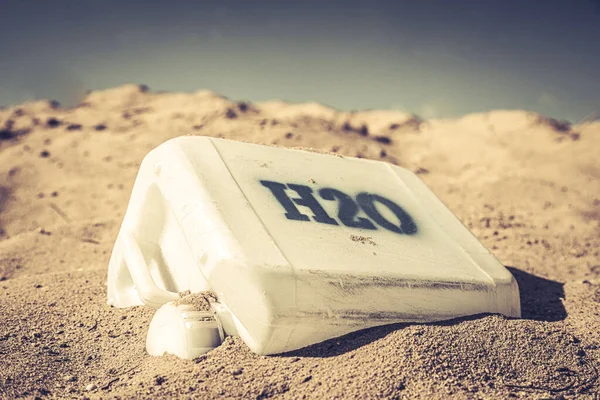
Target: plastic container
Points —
{"points": [[298, 246]]}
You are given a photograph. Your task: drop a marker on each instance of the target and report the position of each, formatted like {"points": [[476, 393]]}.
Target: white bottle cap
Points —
{"points": [[184, 332]]}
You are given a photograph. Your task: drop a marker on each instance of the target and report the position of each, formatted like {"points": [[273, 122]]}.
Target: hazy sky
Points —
{"points": [[432, 57]]}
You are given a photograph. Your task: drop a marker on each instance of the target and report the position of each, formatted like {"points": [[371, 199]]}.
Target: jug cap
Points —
{"points": [[182, 331]]}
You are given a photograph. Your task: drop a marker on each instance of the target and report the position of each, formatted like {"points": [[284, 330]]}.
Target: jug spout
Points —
{"points": [[186, 332]]}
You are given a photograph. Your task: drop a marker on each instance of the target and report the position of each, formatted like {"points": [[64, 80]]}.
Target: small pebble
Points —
{"points": [[53, 122], [90, 387], [230, 114], [578, 252], [42, 231]]}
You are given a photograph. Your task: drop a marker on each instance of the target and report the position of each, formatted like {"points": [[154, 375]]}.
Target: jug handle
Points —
{"points": [[150, 294]]}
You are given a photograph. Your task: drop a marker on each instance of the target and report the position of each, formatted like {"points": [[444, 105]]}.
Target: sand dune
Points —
{"points": [[528, 186]]}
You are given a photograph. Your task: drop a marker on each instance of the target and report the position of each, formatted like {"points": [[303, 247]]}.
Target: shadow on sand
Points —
{"points": [[541, 300]]}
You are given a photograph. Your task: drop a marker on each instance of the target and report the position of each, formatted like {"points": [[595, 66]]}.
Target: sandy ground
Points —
{"points": [[527, 186]]}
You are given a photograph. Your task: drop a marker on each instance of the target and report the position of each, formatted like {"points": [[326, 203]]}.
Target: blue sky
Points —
{"points": [[438, 58]]}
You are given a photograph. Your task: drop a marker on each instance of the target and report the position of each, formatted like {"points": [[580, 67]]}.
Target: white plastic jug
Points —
{"points": [[298, 246]]}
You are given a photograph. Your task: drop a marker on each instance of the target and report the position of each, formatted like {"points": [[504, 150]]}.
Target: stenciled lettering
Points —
{"points": [[306, 199], [348, 208], [367, 202]]}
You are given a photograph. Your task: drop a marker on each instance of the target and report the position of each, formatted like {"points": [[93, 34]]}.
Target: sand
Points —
{"points": [[197, 301], [363, 239], [526, 185]]}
